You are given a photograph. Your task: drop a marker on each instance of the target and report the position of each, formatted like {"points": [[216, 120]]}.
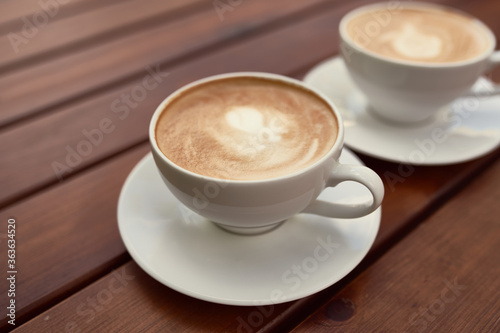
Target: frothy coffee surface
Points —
{"points": [[246, 129], [419, 34]]}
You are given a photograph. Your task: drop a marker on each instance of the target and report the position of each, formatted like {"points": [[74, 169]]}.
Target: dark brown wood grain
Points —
{"points": [[16, 9], [45, 36], [74, 81], [67, 234], [78, 73], [15, 13], [107, 303], [442, 278]]}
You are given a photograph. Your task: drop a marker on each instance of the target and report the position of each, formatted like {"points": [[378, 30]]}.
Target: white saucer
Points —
{"points": [[467, 129], [193, 256]]}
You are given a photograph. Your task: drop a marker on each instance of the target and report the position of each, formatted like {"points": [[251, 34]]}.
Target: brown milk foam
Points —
{"points": [[246, 129], [425, 35]]}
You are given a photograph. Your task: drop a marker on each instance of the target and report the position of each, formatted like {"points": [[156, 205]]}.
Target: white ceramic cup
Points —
{"points": [[404, 91], [256, 206]]}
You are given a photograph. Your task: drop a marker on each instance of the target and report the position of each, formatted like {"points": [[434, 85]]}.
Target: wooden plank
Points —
{"points": [[105, 306], [442, 278], [60, 79], [16, 9], [67, 234], [46, 36], [16, 12]]}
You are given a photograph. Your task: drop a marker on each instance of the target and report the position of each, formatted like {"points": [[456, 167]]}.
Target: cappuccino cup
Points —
{"points": [[412, 59], [249, 150]]}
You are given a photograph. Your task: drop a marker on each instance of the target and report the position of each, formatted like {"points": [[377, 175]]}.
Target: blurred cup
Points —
{"points": [[410, 59]]}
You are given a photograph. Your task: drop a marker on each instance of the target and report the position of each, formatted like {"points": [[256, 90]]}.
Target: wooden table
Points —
{"points": [[65, 66]]}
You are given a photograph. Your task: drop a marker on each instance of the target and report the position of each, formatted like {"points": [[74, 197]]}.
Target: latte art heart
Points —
{"points": [[419, 34], [412, 43], [258, 129]]}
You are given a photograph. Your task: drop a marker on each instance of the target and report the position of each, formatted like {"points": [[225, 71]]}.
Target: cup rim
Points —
{"points": [[347, 39], [337, 145]]}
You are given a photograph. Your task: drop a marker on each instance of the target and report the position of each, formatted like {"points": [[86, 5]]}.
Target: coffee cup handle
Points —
{"points": [[493, 62], [357, 173]]}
